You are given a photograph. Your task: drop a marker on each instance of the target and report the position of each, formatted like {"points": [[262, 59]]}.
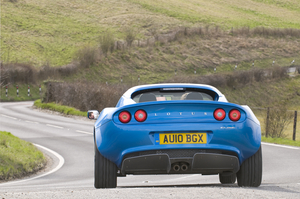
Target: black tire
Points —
{"points": [[227, 178], [105, 172], [250, 173]]}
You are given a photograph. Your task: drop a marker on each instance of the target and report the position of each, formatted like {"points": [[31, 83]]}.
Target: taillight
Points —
{"points": [[234, 115], [219, 114], [124, 117], [140, 115]]}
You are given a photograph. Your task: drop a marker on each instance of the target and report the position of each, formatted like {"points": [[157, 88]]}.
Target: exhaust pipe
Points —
{"points": [[184, 167], [176, 167]]}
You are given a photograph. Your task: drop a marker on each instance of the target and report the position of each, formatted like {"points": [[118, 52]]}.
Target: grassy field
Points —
{"points": [[229, 13], [18, 158], [41, 31]]}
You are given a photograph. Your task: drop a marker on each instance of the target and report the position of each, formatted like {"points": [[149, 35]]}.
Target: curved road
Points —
{"points": [[72, 140]]}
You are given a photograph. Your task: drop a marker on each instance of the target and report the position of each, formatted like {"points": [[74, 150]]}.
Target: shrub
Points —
{"points": [[277, 120], [83, 96], [46, 71], [279, 72], [86, 56], [18, 72], [258, 75], [130, 36], [67, 70], [107, 43]]}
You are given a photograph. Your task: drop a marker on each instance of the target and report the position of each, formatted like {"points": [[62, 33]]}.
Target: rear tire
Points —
{"points": [[105, 172], [227, 179], [250, 173]]}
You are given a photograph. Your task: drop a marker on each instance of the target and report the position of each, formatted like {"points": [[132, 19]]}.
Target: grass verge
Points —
{"points": [[283, 141], [18, 158], [59, 108]]}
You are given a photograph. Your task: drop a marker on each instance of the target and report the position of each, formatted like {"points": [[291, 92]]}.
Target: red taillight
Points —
{"points": [[124, 117], [140, 115], [234, 115], [219, 114]]}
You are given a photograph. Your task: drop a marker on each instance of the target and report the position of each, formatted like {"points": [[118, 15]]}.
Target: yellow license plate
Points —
{"points": [[182, 138]]}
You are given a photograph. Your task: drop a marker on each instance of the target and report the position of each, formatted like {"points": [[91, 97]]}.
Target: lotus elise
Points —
{"points": [[177, 129]]}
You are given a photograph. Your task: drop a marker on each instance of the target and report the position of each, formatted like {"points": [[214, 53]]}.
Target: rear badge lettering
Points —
{"points": [[180, 113]]}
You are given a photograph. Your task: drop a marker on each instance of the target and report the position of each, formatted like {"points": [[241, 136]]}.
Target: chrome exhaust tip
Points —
{"points": [[184, 167], [176, 167]]}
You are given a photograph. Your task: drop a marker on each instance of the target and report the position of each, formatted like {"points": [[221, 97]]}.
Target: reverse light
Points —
{"points": [[124, 117], [234, 115], [140, 115], [219, 114]]}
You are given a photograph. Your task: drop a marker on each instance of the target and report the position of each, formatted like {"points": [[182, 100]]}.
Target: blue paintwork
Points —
{"points": [[115, 139]]}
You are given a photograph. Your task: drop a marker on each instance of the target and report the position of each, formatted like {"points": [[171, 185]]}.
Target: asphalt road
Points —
{"points": [[68, 142]]}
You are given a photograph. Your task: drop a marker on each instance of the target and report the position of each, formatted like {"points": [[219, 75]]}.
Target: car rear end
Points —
{"points": [[187, 136]]}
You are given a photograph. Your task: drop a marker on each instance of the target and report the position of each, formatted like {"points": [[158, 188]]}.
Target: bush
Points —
{"points": [[18, 72], [130, 36], [83, 96], [258, 75], [277, 120], [86, 56], [107, 43], [279, 72]]}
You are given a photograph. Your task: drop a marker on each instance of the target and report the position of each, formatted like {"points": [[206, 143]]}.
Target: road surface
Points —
{"points": [[68, 142]]}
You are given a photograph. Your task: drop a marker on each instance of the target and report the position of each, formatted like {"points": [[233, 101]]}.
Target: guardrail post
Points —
{"points": [[267, 123], [295, 124]]}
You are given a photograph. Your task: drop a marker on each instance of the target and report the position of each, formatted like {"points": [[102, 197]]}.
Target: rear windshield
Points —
{"points": [[168, 94]]}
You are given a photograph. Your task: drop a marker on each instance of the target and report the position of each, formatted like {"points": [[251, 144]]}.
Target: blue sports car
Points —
{"points": [[177, 129]]}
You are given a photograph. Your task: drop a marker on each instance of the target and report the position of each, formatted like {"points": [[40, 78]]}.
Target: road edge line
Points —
{"points": [[278, 145]]}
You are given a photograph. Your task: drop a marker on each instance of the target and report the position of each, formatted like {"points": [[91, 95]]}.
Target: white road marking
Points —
{"points": [[31, 122], [84, 132], [60, 164], [283, 146], [59, 127], [9, 117]]}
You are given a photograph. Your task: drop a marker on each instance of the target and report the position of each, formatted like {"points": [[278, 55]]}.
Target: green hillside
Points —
{"points": [[41, 31]]}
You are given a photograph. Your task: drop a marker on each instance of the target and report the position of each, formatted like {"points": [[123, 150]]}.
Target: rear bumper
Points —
{"points": [[204, 163]]}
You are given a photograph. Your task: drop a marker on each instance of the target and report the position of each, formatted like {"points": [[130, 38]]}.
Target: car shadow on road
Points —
{"points": [[181, 185]]}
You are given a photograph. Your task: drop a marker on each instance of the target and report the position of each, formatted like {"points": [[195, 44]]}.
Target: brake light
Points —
{"points": [[234, 115], [219, 114], [124, 117], [140, 115]]}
